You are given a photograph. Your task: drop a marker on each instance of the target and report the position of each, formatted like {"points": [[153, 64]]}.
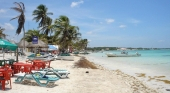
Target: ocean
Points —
{"points": [[153, 63]]}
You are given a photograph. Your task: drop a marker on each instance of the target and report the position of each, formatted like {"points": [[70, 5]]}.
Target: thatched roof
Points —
{"points": [[21, 43], [40, 44]]}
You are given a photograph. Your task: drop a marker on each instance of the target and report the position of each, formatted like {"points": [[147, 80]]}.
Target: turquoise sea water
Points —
{"points": [[151, 62], [149, 59]]}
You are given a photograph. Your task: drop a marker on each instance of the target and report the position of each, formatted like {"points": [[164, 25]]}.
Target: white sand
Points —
{"points": [[96, 81]]}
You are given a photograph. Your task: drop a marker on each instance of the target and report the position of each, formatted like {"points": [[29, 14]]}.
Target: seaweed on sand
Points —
{"points": [[84, 63]]}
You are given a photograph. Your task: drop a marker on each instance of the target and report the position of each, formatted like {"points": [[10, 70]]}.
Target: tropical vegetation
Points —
{"points": [[65, 34], [41, 16], [21, 17], [2, 35], [59, 31]]}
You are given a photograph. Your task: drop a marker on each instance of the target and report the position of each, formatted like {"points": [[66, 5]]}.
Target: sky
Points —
{"points": [[105, 23]]}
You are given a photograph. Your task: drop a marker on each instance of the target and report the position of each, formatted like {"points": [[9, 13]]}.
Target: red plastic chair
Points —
{"points": [[29, 62], [37, 60], [18, 67], [9, 67], [27, 69], [6, 77], [47, 63], [38, 65], [6, 66]]}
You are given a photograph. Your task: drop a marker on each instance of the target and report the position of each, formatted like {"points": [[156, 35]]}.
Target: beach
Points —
{"points": [[99, 80], [118, 46], [152, 68]]}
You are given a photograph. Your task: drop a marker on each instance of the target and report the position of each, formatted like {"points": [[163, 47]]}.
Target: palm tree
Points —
{"points": [[30, 33], [41, 15], [48, 27], [84, 43], [65, 33], [21, 18], [81, 44], [2, 35]]}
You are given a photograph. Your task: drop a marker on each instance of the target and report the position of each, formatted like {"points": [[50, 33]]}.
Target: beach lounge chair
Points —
{"points": [[51, 71], [38, 77], [32, 55]]}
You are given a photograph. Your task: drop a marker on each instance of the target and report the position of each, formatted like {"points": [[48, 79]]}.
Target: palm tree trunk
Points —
{"points": [[24, 38], [16, 55]]}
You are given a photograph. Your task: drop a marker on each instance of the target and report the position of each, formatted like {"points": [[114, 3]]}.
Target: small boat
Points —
{"points": [[85, 52], [123, 55], [64, 56], [124, 52]]}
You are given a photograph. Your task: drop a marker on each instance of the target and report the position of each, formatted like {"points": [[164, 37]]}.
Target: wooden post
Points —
{"points": [[17, 55]]}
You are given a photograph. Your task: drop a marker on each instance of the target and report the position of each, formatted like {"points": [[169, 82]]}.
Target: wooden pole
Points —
{"points": [[17, 55]]}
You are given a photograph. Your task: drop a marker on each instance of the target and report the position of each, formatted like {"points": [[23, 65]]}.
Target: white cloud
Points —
{"points": [[74, 4], [122, 26], [8, 27], [134, 21], [2, 11], [110, 21]]}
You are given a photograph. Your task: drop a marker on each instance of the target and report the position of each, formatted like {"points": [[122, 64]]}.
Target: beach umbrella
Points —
{"points": [[7, 45], [52, 47]]}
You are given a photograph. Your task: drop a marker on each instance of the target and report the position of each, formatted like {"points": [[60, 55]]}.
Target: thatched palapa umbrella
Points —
{"points": [[40, 44], [21, 43]]}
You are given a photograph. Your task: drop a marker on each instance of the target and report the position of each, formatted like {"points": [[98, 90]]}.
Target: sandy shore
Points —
{"points": [[96, 81]]}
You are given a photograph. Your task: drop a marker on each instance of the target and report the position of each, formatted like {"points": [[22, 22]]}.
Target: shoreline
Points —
{"points": [[137, 85], [157, 82], [99, 80]]}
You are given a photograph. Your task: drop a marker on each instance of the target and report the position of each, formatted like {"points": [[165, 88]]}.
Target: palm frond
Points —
{"points": [[23, 7], [16, 9], [14, 18], [17, 4], [49, 13], [21, 18], [20, 25]]}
